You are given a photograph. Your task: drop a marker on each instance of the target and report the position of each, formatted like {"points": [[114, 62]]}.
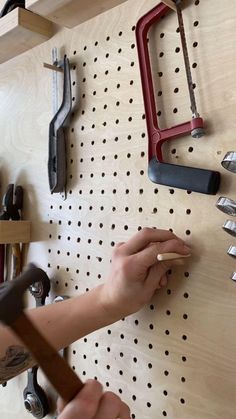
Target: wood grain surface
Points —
{"points": [[20, 31], [14, 232], [70, 13], [176, 357]]}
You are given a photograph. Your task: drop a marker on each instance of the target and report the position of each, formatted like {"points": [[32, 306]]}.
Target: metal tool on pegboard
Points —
{"points": [[229, 161], [183, 177], [226, 205], [12, 205], [230, 227], [35, 398], [57, 164]]}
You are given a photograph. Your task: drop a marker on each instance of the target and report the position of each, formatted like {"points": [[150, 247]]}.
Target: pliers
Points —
{"points": [[11, 210]]}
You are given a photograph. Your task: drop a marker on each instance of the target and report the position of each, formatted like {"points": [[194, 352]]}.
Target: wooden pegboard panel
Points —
{"points": [[175, 358]]}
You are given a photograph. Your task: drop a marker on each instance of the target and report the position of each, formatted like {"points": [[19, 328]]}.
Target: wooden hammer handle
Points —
{"points": [[58, 372]]}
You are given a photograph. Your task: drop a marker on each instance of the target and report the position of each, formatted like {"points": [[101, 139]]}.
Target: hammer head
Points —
{"points": [[11, 293]]}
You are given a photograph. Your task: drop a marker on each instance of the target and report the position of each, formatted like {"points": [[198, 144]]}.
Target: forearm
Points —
{"points": [[61, 324]]}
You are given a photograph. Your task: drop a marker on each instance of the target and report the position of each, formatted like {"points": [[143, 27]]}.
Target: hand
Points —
{"points": [[92, 403], [135, 272]]}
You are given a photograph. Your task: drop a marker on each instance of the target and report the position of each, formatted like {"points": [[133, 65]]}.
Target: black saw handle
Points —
{"points": [[184, 177]]}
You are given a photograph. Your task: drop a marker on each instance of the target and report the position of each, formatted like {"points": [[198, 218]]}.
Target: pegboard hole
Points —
{"points": [[195, 23]]}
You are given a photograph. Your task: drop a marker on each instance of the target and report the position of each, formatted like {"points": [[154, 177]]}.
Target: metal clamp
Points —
{"points": [[226, 205], [232, 251], [233, 276], [229, 161], [230, 227]]}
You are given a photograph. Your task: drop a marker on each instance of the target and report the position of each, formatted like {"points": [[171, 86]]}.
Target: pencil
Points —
{"points": [[171, 256]]}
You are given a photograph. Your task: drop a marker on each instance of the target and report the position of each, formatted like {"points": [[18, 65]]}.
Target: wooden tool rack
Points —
{"points": [[176, 357], [12, 232]]}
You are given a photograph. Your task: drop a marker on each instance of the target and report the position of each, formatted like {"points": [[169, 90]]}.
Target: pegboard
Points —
{"points": [[176, 357]]}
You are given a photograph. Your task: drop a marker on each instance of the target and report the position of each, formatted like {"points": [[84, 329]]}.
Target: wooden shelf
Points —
{"points": [[21, 30], [70, 13], [14, 232]]}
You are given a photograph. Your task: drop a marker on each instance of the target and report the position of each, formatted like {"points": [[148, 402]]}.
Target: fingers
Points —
{"points": [[111, 407], [144, 237], [163, 281], [148, 256], [85, 404]]}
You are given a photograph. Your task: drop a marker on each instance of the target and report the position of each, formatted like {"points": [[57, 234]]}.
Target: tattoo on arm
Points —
{"points": [[16, 360]]}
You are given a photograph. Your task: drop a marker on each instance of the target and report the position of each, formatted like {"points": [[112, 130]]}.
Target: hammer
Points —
{"points": [[62, 377]]}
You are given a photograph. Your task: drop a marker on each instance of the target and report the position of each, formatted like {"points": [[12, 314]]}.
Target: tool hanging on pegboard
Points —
{"points": [[183, 177], [57, 164], [35, 399], [12, 206], [228, 206]]}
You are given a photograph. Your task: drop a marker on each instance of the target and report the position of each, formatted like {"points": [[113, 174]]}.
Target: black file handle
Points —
{"points": [[184, 177]]}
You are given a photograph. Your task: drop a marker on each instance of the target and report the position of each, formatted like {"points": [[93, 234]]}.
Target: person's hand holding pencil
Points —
{"points": [[139, 267]]}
